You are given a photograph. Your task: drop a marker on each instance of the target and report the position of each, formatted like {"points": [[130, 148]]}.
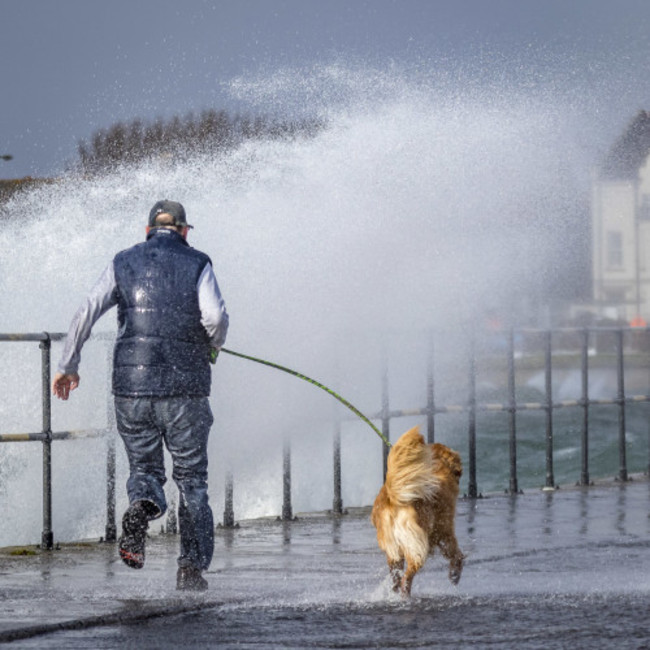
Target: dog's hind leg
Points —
{"points": [[450, 550], [413, 565], [396, 568]]}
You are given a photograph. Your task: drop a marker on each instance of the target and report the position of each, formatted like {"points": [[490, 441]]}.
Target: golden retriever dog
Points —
{"points": [[415, 509]]}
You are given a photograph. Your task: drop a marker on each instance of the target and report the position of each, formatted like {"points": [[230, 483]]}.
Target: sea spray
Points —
{"points": [[415, 208]]}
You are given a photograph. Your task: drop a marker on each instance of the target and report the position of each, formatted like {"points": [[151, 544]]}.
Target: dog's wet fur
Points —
{"points": [[415, 509]]}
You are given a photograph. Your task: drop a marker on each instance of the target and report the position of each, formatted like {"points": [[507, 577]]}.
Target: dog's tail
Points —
{"points": [[410, 472]]}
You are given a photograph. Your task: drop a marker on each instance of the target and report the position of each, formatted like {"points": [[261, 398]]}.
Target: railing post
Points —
{"points": [[548, 355], [171, 523], [584, 472], [620, 399], [431, 403], [47, 536], [229, 510], [287, 513], [512, 413], [111, 527], [472, 490], [337, 504], [385, 417]]}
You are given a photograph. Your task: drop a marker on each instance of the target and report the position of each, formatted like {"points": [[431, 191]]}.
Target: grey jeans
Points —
{"points": [[183, 424]]}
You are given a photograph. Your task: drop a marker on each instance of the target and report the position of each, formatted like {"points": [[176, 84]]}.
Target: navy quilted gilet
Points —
{"points": [[162, 350]]}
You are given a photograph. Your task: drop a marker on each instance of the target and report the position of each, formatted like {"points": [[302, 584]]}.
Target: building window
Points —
{"points": [[615, 296], [614, 249]]}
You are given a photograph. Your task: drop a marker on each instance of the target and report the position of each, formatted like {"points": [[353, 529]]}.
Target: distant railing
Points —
{"points": [[471, 407], [431, 411]]}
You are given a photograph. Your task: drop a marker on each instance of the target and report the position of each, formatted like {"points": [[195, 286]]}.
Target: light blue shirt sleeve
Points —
{"points": [[100, 299], [214, 316]]}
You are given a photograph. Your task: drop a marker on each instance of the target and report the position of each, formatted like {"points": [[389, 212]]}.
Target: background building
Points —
{"points": [[621, 227]]}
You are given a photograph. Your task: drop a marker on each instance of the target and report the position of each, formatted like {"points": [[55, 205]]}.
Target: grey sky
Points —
{"points": [[70, 67]]}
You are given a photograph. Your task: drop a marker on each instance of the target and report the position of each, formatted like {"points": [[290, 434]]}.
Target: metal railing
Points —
{"points": [[511, 406], [46, 436], [471, 407]]}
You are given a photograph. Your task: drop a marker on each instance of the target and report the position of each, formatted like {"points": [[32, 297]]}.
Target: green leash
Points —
{"points": [[343, 401]]}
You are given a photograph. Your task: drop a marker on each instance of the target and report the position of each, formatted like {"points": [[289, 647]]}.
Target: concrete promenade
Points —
{"points": [[568, 568]]}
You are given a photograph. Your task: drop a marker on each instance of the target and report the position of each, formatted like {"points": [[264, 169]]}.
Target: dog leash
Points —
{"points": [[334, 394]]}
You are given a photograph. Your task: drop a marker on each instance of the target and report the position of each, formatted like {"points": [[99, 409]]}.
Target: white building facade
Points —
{"points": [[621, 229]]}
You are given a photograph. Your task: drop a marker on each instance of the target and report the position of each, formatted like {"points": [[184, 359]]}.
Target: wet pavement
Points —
{"points": [[568, 568]]}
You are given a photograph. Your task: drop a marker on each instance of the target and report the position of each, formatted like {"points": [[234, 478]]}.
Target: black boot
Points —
{"points": [[189, 578], [134, 533]]}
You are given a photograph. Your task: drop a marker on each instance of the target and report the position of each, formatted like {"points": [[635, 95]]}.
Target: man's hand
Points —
{"points": [[63, 384]]}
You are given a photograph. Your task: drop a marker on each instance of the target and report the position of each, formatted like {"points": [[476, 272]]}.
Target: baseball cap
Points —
{"points": [[172, 208]]}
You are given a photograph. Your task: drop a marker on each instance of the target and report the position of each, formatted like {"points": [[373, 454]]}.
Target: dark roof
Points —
{"points": [[629, 152]]}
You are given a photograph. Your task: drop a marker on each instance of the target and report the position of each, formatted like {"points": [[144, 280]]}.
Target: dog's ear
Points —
{"points": [[450, 458]]}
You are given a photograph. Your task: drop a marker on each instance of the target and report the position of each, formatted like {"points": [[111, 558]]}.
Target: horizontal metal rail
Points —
{"points": [[38, 336], [54, 435], [496, 406]]}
